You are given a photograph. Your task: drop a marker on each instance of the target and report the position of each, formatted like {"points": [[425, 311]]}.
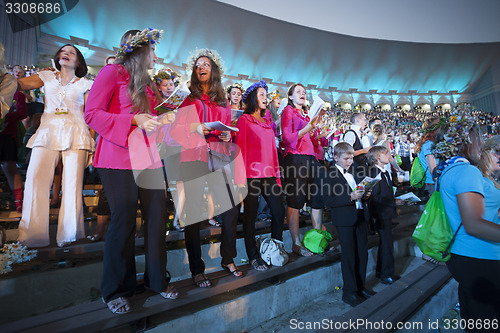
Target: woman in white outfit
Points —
{"points": [[62, 134]]}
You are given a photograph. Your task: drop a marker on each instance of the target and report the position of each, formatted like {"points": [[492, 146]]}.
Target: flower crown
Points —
{"points": [[458, 127], [141, 38], [235, 85], [167, 74], [441, 123], [273, 95], [198, 53], [255, 86]]}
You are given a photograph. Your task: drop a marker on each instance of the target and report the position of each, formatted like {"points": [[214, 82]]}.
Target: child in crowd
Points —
{"points": [[348, 216], [383, 209]]}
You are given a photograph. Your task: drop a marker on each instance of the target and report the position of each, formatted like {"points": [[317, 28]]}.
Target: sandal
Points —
{"points": [[119, 305], [302, 251], [170, 293], [235, 271], [214, 223], [432, 260], [202, 281], [95, 237], [259, 265]]}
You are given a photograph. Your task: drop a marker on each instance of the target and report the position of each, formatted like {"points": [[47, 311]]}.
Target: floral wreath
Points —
{"points": [[198, 53], [167, 74], [255, 86], [442, 122], [235, 85], [458, 127], [141, 38], [273, 95]]}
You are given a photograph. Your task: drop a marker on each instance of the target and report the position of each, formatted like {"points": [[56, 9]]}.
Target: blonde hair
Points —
{"points": [[374, 154], [342, 148], [487, 161]]}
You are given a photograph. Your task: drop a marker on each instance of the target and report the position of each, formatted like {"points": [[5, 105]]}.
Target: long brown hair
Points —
{"points": [[471, 149], [216, 90], [136, 63], [432, 135]]}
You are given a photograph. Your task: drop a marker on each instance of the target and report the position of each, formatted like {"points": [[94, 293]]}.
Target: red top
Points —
{"points": [[258, 149], [292, 121], [18, 111], [194, 145], [121, 145]]}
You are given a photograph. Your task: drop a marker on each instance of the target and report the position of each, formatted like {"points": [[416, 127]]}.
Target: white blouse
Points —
{"points": [[59, 130]]}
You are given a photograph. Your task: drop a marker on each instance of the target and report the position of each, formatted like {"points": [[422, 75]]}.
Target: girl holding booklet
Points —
{"points": [[207, 103], [301, 165], [121, 110], [260, 170], [166, 81]]}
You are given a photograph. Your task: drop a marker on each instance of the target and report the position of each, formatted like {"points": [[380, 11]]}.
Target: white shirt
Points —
{"points": [[367, 140], [63, 131], [384, 170], [350, 138], [351, 182]]}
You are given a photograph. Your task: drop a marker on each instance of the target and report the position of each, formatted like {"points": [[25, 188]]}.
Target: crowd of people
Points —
{"points": [[227, 148]]}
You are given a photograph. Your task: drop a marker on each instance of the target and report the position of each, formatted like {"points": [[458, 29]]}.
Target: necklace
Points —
{"points": [[62, 95]]}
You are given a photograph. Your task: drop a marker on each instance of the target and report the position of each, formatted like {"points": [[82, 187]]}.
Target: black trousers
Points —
{"points": [[385, 254], [195, 175], [354, 258], [406, 164], [478, 289], [122, 191], [271, 192]]}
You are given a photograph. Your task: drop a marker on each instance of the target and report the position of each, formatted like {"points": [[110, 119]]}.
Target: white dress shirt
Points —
{"points": [[351, 182]]}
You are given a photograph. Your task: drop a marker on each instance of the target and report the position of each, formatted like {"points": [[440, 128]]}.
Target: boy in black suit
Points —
{"points": [[352, 226], [382, 208]]}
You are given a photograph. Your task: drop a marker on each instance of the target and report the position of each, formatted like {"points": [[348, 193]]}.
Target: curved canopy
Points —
{"points": [[258, 46]]}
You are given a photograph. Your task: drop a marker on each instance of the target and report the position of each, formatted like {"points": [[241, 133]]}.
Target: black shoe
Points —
{"points": [[389, 280], [377, 275], [367, 293], [352, 299]]}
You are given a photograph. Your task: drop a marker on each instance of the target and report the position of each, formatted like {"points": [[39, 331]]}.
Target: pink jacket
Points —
{"points": [[194, 145], [258, 148], [291, 123], [108, 111]]}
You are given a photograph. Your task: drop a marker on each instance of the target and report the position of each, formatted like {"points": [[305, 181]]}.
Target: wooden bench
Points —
{"points": [[95, 316]]}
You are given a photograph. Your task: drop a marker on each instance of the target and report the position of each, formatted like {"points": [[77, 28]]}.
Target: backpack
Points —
{"points": [[433, 233], [316, 240], [417, 174], [272, 252]]}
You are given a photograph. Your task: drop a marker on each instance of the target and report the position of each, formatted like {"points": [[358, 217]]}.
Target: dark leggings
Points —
{"points": [[195, 176], [271, 192]]}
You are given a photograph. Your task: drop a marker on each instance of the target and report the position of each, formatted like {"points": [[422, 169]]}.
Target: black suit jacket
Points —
{"points": [[343, 210], [381, 203]]}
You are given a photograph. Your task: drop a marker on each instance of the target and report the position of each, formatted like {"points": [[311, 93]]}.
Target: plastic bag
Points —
{"points": [[433, 232], [398, 159], [316, 240], [417, 174]]}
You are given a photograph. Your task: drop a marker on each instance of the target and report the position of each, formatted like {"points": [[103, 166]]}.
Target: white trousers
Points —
{"points": [[34, 225]]}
